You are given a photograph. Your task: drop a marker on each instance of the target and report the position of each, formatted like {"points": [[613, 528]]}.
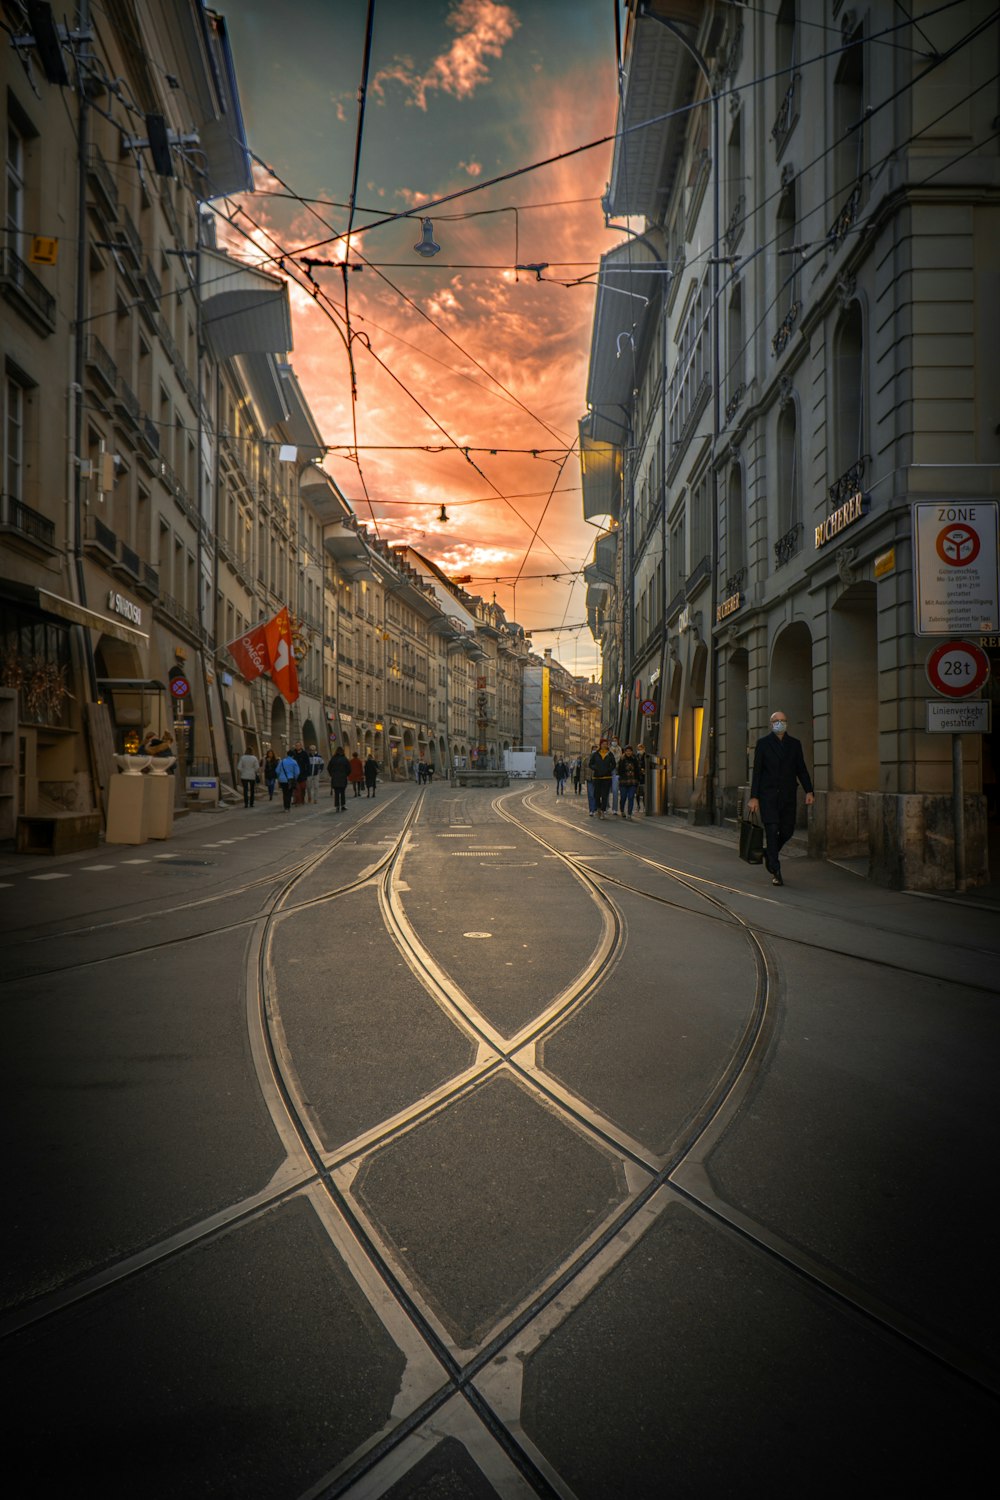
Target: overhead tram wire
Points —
{"points": [[327, 225], [424, 208], [323, 302], [349, 336]]}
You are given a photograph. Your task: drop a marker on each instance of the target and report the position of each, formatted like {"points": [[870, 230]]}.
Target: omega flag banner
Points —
{"points": [[268, 648]]}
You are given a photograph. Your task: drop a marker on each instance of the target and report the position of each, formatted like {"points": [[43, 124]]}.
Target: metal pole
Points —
{"points": [[958, 810]]}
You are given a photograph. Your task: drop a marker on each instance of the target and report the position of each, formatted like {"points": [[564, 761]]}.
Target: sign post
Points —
{"points": [[956, 669]]}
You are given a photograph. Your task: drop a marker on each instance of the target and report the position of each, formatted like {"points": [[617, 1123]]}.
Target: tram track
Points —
{"points": [[680, 1175], [460, 1375]]}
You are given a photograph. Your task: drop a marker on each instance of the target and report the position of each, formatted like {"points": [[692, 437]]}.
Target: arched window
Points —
{"points": [[735, 359], [848, 390], [848, 115], [736, 537], [789, 483], [787, 259]]}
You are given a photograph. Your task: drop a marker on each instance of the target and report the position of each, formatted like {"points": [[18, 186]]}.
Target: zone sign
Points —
{"points": [[957, 669]]}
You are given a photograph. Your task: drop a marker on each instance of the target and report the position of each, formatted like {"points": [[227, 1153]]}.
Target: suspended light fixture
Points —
{"points": [[425, 245], [443, 517]]}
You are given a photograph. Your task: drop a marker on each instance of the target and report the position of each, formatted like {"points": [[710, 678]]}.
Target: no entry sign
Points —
{"points": [[180, 687], [956, 574], [957, 669], [648, 707]]}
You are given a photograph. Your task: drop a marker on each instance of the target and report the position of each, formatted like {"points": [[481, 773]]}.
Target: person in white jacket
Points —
{"points": [[248, 769]]}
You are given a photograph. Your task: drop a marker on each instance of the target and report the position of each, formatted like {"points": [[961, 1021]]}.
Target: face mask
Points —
{"points": [[779, 726]]}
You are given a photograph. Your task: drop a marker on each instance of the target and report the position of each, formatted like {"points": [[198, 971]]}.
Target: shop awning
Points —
{"points": [[77, 615]]}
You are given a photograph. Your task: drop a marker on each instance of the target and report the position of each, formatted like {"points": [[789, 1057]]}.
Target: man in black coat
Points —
{"points": [[778, 765]]}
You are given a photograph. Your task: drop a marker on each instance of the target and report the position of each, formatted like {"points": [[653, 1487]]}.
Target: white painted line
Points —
{"points": [[97, 867], [5, 885], [56, 875], [135, 861], [158, 856]]}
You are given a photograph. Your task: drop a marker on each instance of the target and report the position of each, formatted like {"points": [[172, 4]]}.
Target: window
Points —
{"points": [[689, 381], [788, 469], [848, 115], [13, 437], [735, 522], [787, 258], [848, 390], [734, 352], [15, 187]]}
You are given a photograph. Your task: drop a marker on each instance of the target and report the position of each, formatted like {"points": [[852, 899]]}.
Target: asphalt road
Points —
{"points": [[463, 1145]]}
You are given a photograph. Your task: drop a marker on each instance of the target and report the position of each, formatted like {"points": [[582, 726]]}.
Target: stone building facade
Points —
{"points": [[161, 483], [793, 352]]}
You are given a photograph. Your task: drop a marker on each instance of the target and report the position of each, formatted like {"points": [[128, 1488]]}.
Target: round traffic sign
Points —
{"points": [[958, 545], [648, 707], [180, 687], [957, 669]]}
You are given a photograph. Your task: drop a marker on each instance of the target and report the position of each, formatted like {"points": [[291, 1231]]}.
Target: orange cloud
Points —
{"points": [[484, 27]]}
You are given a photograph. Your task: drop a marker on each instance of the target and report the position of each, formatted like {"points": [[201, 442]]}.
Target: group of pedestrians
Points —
{"points": [[297, 774], [613, 776]]}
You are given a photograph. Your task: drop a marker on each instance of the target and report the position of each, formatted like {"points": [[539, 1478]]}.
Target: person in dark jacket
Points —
{"points": [[560, 771], [628, 775], [340, 770], [288, 778], [357, 773], [778, 768], [371, 775], [270, 773], [602, 768]]}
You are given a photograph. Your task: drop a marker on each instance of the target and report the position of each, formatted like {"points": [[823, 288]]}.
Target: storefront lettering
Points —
{"points": [[852, 510], [728, 607], [119, 605]]}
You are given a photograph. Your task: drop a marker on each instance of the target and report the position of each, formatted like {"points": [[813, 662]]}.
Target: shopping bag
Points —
{"points": [[752, 840]]}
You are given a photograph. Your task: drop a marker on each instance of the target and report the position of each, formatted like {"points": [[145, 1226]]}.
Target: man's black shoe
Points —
{"points": [[776, 880]]}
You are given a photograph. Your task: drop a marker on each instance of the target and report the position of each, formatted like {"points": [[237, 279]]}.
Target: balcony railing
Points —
{"points": [[787, 116], [129, 561], [24, 291], [99, 360], [103, 182], [101, 538], [127, 403], [786, 546], [849, 483], [734, 402], [132, 237], [734, 583], [736, 225], [30, 523], [785, 329], [150, 435], [845, 220]]}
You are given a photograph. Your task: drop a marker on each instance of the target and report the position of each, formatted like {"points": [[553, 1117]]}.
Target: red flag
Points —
{"points": [[250, 652], [284, 673]]}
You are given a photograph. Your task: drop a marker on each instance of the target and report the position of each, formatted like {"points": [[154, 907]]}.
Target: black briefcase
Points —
{"points": [[752, 840]]}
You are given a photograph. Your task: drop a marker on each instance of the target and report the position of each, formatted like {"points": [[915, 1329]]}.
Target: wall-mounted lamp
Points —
{"points": [[426, 245]]}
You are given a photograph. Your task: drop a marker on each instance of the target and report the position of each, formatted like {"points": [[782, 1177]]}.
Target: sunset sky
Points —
{"points": [[459, 350]]}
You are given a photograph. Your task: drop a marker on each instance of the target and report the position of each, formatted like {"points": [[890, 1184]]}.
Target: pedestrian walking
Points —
{"points": [[287, 776], [315, 772], [270, 773], [302, 756], [357, 773], [602, 766], [340, 771], [371, 775], [616, 751], [248, 770], [628, 776], [640, 781], [588, 773], [779, 767], [577, 774], [561, 772]]}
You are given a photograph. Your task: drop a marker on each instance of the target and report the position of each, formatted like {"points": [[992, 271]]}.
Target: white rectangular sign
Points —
{"points": [[959, 718], [956, 569]]}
